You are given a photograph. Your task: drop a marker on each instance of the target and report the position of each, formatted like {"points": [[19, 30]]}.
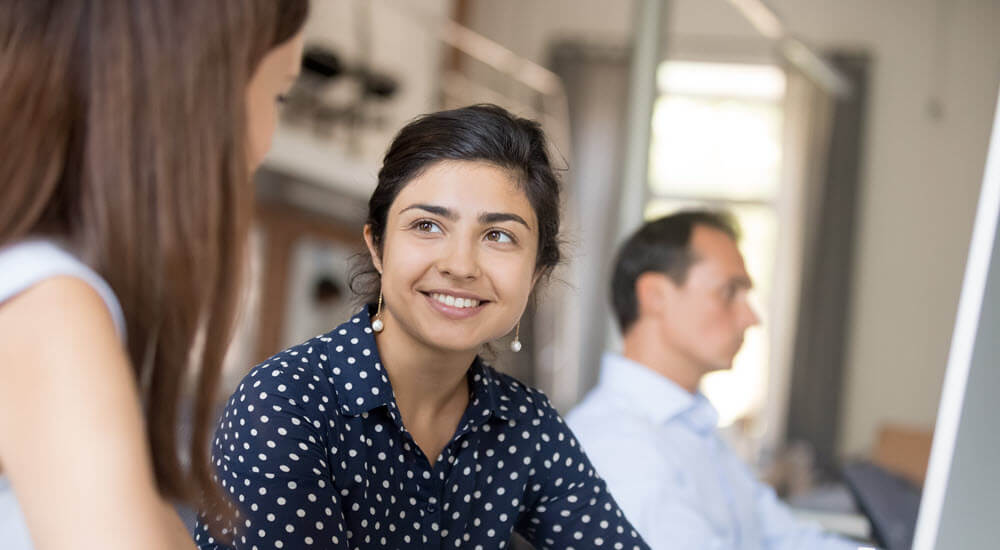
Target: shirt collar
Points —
{"points": [[352, 349], [484, 391], [655, 395]]}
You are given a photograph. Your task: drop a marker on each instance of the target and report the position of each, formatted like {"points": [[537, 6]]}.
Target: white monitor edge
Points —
{"points": [[962, 345]]}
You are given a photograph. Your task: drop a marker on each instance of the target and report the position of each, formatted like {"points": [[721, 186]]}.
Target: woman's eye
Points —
{"points": [[498, 236], [427, 227]]}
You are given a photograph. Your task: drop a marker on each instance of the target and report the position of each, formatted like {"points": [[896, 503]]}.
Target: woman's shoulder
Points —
{"points": [[513, 397], [27, 264], [62, 307], [305, 364], [313, 366]]}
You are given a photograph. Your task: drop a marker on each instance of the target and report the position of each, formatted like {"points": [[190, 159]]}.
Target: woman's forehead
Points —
{"points": [[466, 188]]}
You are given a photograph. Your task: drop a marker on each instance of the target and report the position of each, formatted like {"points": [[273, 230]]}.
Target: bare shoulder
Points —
{"points": [[52, 330], [57, 302], [58, 346], [71, 429]]}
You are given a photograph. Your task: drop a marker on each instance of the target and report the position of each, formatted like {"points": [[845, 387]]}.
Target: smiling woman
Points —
{"points": [[460, 257], [394, 433]]}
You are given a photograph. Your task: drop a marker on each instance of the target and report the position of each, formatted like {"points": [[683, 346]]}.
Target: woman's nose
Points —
{"points": [[460, 260]]}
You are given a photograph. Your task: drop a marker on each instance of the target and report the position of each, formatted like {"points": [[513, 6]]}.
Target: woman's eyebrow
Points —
{"points": [[485, 218], [497, 217], [436, 210]]}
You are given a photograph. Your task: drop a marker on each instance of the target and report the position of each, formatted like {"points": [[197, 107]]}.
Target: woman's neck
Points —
{"points": [[430, 387], [425, 380]]}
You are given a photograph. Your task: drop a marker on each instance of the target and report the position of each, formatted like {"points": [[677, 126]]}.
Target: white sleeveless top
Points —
{"points": [[23, 265]]}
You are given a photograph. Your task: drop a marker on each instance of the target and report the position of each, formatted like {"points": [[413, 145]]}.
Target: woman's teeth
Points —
{"points": [[455, 302]]}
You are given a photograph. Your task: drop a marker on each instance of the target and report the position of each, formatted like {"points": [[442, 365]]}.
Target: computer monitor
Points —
{"points": [[961, 497]]}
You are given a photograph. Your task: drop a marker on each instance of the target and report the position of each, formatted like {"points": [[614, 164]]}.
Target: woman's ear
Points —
{"points": [[372, 249], [541, 276]]}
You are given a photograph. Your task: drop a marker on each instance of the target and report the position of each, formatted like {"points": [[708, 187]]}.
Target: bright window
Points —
{"points": [[716, 142]]}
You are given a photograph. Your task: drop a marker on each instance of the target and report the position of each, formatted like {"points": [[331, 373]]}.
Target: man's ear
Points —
{"points": [[652, 293], [372, 249]]}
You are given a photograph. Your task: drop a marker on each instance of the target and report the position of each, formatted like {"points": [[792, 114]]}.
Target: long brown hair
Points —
{"points": [[124, 132]]}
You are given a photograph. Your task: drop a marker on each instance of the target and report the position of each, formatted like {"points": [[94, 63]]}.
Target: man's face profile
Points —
{"points": [[706, 317]]}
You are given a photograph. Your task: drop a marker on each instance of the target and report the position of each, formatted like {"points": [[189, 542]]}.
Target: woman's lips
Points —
{"points": [[454, 306]]}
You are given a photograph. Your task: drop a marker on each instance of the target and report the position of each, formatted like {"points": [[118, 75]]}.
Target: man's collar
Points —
{"points": [[655, 395]]}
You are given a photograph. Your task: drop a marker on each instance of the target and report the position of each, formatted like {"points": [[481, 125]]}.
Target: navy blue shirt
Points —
{"points": [[313, 453]]}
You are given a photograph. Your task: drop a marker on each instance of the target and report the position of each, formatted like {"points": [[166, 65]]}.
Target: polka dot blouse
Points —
{"points": [[313, 453]]}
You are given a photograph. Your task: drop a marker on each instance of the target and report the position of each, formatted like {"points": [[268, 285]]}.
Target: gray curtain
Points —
{"points": [[821, 336], [596, 78]]}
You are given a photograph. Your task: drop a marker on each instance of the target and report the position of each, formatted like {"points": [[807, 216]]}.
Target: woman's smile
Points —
{"points": [[453, 305], [458, 261]]}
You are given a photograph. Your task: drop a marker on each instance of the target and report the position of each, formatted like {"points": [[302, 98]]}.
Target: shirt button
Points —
{"points": [[430, 508]]}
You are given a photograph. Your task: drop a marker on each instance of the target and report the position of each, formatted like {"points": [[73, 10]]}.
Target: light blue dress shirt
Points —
{"points": [[657, 447]]}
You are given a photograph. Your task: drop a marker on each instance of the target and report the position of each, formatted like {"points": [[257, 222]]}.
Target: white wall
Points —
{"points": [[404, 46], [920, 174], [527, 26], [920, 181]]}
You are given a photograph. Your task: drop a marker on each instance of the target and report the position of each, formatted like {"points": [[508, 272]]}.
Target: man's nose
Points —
{"points": [[750, 316]]}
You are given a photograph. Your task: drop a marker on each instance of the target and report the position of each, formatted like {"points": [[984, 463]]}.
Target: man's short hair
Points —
{"points": [[662, 246]]}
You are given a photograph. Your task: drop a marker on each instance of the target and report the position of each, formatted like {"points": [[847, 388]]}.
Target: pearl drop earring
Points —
{"points": [[515, 344], [377, 324]]}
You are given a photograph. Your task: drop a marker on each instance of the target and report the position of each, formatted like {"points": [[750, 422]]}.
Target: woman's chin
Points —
{"points": [[453, 347], [454, 344]]}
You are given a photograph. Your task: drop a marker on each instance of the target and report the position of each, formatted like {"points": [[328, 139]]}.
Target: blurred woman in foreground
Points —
{"points": [[130, 132]]}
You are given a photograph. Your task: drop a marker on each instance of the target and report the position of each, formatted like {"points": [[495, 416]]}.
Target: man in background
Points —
{"points": [[680, 294]]}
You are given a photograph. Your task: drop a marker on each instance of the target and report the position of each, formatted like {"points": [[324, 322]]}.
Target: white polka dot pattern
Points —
{"points": [[312, 452]]}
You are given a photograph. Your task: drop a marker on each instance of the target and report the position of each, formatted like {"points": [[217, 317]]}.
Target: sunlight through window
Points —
{"points": [[717, 143]]}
